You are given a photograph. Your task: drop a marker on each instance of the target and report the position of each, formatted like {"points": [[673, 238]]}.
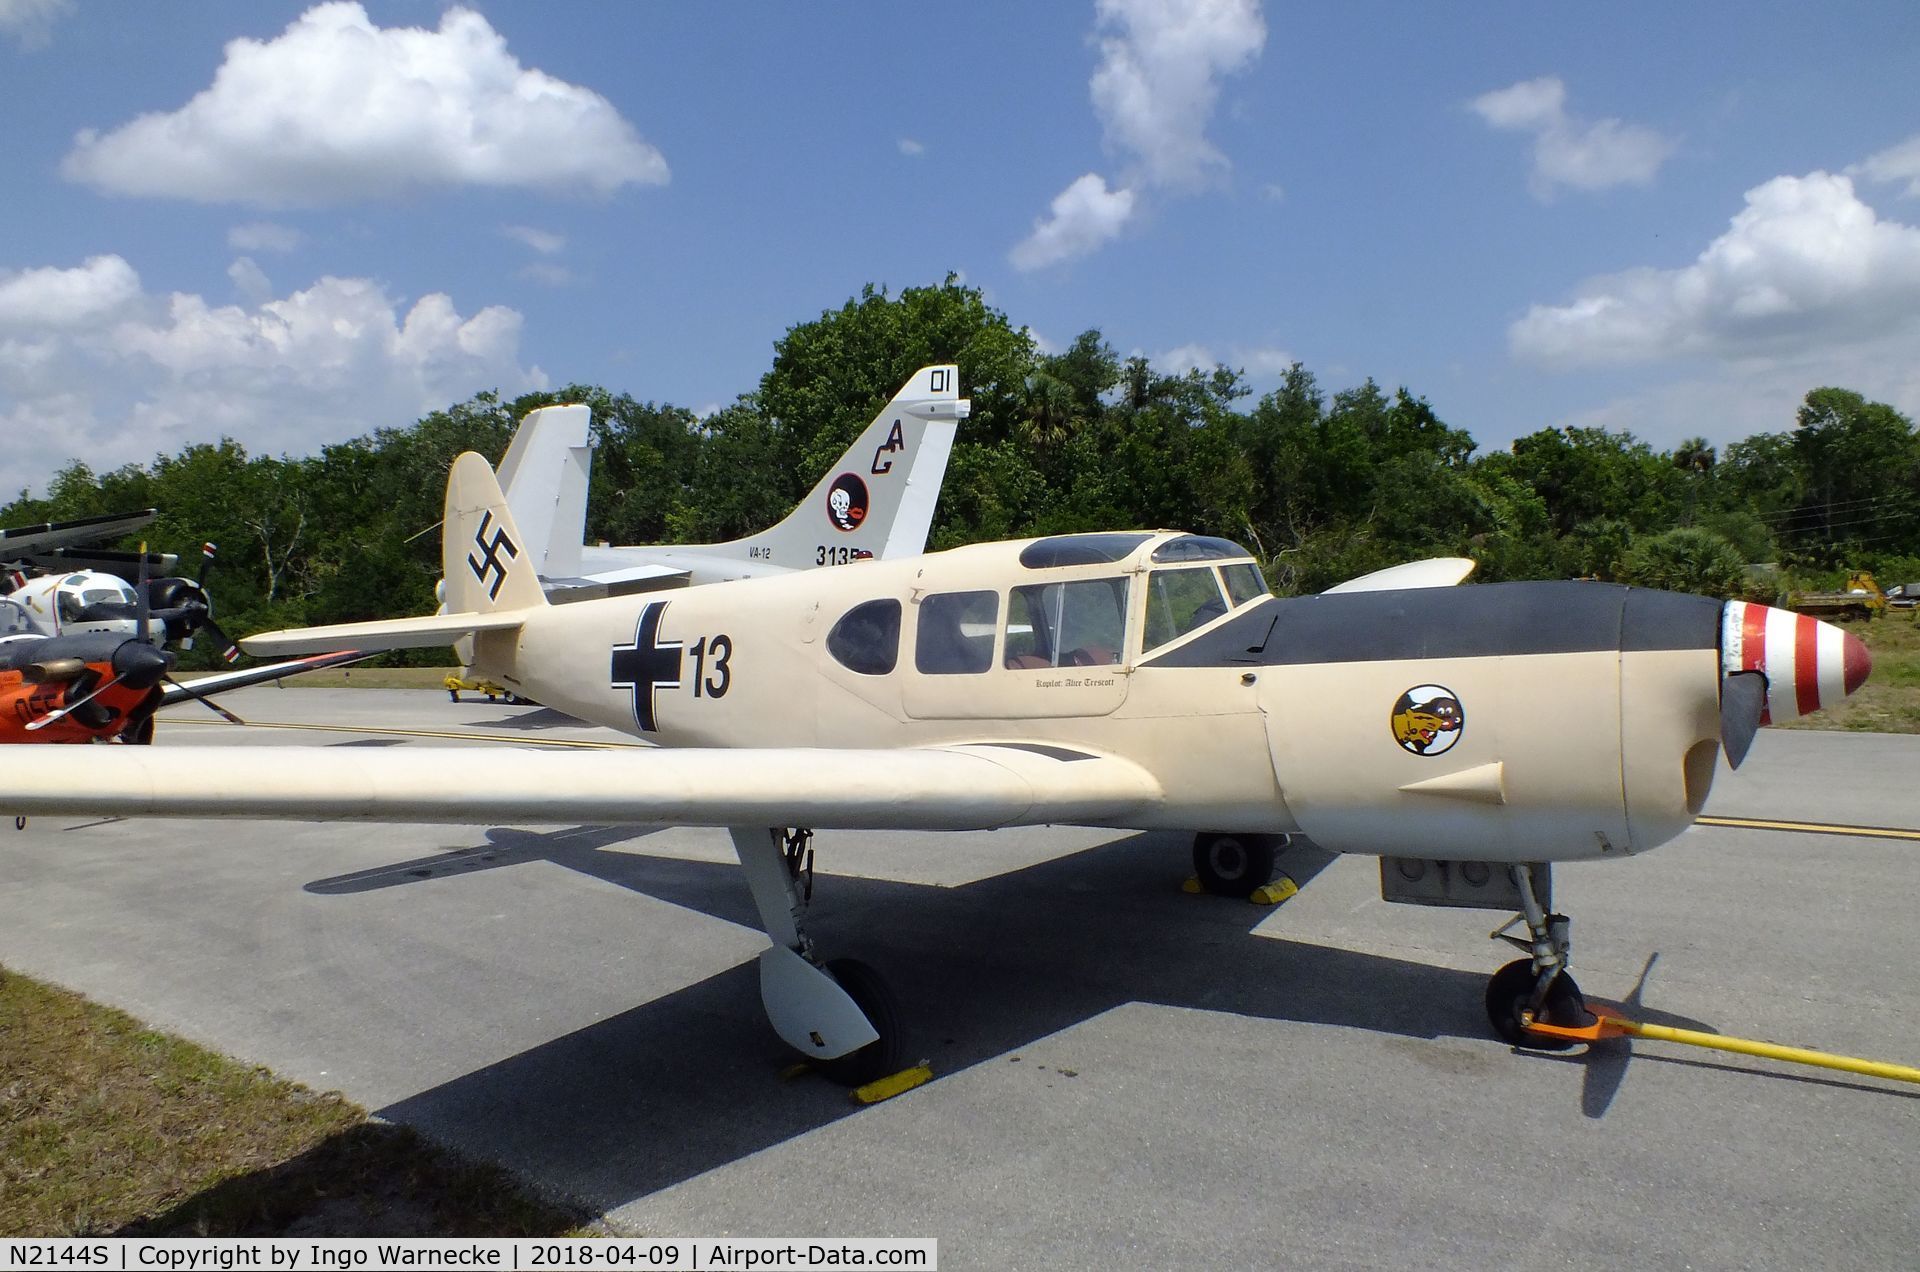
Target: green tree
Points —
{"points": [[1687, 559]]}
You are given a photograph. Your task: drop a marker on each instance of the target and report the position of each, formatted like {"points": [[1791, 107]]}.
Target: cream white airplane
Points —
{"points": [[876, 501], [1469, 736]]}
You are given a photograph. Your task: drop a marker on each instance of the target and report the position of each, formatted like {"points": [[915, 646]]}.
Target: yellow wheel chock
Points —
{"points": [[1608, 1025], [1273, 893], [893, 1084]]}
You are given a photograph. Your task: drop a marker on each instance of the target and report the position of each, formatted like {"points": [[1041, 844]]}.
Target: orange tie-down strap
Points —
{"points": [[1608, 1023]]}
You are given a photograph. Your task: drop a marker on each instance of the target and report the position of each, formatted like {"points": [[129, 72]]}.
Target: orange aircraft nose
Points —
{"points": [[1808, 664]]}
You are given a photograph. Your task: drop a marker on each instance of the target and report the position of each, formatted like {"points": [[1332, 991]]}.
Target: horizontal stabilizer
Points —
{"points": [[381, 634], [973, 787]]}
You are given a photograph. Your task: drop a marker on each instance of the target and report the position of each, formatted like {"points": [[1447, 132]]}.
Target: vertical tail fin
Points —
{"points": [[484, 559], [878, 498], [544, 474]]}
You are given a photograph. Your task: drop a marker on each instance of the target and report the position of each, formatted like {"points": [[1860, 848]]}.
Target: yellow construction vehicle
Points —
{"points": [[1860, 598]]}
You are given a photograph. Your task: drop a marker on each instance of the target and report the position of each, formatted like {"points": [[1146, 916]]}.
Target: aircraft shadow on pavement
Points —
{"points": [[690, 1081], [539, 718]]}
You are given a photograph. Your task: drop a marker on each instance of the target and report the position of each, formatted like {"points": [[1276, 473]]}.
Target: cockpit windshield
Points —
{"points": [[73, 601]]}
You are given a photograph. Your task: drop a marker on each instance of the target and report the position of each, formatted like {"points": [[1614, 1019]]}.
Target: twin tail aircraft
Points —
{"points": [[1141, 680]]}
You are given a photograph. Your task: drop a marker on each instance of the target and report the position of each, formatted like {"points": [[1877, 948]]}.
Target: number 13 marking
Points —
{"points": [[721, 649]]}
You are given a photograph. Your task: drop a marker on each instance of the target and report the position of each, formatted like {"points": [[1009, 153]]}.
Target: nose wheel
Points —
{"points": [[1537, 987]]}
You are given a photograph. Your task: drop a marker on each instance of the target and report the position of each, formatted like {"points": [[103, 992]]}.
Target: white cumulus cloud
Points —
{"points": [[52, 299], [1082, 217], [1159, 78], [1569, 151], [1804, 265], [1258, 363], [336, 109], [93, 366], [1161, 62], [1892, 165], [249, 279], [31, 22]]}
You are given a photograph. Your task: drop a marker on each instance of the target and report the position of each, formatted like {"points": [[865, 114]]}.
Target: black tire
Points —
{"points": [[1233, 865], [1510, 989], [870, 994]]}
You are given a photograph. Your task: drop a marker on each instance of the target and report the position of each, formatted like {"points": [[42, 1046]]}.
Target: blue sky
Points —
{"points": [[295, 223]]}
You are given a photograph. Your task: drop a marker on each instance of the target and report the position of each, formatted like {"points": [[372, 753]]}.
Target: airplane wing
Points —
{"points": [[18, 542], [204, 686], [1433, 572], [969, 787]]}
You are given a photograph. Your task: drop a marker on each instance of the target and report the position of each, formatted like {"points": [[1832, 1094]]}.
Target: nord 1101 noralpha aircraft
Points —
{"points": [[1139, 680]]}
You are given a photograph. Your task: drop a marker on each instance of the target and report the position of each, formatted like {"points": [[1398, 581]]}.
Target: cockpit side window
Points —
{"points": [[1179, 601], [13, 619], [956, 633], [1078, 624], [1244, 581], [867, 638]]}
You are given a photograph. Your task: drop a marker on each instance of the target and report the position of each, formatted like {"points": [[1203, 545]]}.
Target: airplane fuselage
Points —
{"points": [[1534, 721]]}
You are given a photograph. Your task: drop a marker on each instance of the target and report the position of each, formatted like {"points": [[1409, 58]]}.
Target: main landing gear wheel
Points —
{"points": [[1510, 990], [870, 994], [1233, 865]]}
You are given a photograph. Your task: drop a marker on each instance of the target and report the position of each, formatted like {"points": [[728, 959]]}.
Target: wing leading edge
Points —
{"points": [[970, 787]]}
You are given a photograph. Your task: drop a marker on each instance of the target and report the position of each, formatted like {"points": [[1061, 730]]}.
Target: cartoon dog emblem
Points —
{"points": [[847, 502], [1427, 720]]}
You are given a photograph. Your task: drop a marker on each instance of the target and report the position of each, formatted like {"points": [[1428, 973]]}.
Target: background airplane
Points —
{"points": [[1469, 736], [105, 686], [876, 501], [54, 546]]}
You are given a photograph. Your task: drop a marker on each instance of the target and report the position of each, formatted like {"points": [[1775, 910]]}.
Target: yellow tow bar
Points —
{"points": [[1610, 1026]]}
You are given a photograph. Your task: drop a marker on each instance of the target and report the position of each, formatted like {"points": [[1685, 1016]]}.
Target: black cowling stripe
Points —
{"points": [[1477, 621]]}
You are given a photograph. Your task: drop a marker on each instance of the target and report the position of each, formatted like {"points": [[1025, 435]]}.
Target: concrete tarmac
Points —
{"points": [[1128, 1076]]}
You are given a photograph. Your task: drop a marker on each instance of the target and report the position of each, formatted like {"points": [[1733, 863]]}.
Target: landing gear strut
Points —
{"points": [[1537, 987], [838, 1015]]}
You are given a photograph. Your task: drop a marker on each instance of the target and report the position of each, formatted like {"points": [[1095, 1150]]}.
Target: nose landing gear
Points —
{"points": [[1537, 987]]}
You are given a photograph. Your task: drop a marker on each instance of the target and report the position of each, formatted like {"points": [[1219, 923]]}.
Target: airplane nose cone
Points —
{"points": [[140, 665], [1809, 664]]}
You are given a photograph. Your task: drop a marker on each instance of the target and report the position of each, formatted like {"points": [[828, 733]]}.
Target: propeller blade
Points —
{"points": [[228, 650], [61, 713], [205, 701], [1743, 698]]}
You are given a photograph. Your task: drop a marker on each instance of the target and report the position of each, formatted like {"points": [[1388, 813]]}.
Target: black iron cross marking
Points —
{"points": [[647, 665], [491, 549]]}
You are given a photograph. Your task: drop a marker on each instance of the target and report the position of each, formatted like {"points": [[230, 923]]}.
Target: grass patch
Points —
{"points": [[1890, 700], [110, 1128]]}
